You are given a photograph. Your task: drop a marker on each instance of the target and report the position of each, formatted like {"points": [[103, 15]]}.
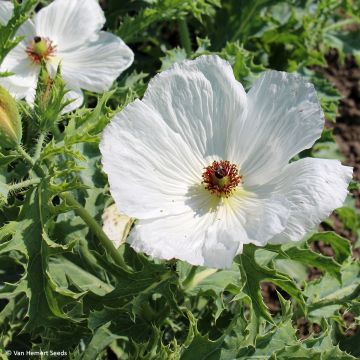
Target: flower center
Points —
{"points": [[40, 48], [221, 178]]}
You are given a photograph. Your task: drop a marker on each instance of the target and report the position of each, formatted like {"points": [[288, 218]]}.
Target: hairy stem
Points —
{"points": [[36, 168], [39, 146], [25, 155], [340, 24], [95, 228], [184, 36], [23, 184]]}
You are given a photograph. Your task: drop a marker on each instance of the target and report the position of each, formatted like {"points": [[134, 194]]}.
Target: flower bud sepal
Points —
{"points": [[10, 121]]}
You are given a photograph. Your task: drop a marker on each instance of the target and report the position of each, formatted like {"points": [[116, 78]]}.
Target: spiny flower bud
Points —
{"points": [[10, 121]]}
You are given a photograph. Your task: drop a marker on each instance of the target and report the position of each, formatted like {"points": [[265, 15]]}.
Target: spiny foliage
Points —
{"points": [[60, 290]]}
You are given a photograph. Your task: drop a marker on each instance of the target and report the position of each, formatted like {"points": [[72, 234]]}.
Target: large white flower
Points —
{"points": [[205, 166], [66, 32]]}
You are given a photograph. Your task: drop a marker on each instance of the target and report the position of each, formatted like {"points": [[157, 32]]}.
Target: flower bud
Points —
{"points": [[10, 121]]}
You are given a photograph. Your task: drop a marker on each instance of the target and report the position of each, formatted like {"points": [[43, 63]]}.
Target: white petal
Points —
{"points": [[23, 83], [201, 101], [263, 215], [77, 97], [70, 23], [221, 246], [179, 236], [27, 29], [96, 65], [150, 168], [314, 188], [24, 80], [208, 239], [213, 231], [6, 10], [284, 118]]}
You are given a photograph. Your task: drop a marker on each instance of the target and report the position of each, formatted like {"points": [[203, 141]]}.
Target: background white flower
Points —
{"points": [[115, 225], [159, 155], [6, 8], [66, 32]]}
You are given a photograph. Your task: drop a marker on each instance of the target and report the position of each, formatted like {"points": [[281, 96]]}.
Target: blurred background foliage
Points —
{"points": [[59, 290]]}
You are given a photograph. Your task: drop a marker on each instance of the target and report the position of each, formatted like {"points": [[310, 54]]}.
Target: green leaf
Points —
{"points": [[349, 218], [311, 258], [132, 28], [171, 57], [267, 344], [102, 338], [202, 346], [253, 274], [340, 245], [327, 291], [347, 42], [65, 274]]}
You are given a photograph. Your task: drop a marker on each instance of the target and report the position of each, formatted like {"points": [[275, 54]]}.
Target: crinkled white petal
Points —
{"points": [[263, 215], [220, 246], [70, 23], [150, 168], [23, 82], [214, 230], [200, 100], [6, 10], [210, 239], [284, 117], [314, 188], [96, 65]]}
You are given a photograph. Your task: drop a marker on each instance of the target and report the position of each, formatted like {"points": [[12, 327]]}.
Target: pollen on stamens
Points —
{"points": [[40, 49], [221, 178]]}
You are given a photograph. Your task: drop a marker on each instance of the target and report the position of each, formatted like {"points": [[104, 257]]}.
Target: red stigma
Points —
{"points": [[221, 178]]}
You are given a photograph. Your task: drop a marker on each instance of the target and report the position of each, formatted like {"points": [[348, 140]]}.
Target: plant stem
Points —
{"points": [[340, 24], [95, 228], [25, 155], [244, 22], [23, 184], [37, 169], [184, 36], [39, 146]]}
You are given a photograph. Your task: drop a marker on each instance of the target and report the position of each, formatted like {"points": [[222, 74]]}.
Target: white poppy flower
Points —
{"points": [[204, 166], [66, 32]]}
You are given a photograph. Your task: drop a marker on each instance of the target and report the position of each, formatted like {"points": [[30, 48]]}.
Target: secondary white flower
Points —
{"points": [[6, 8], [66, 32], [115, 225], [205, 166]]}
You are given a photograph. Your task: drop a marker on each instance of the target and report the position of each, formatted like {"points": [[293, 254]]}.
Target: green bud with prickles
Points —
{"points": [[10, 121]]}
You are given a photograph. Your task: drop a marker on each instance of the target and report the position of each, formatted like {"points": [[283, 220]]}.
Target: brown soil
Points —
{"points": [[305, 329], [268, 292], [346, 78]]}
